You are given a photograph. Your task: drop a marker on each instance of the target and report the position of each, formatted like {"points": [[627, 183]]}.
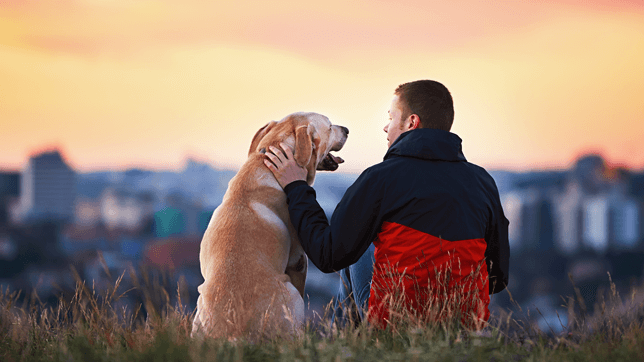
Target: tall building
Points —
{"points": [[535, 223], [568, 207], [47, 188], [513, 206], [9, 189], [625, 228], [596, 227]]}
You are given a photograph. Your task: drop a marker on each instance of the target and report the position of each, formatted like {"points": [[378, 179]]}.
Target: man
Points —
{"points": [[433, 220]]}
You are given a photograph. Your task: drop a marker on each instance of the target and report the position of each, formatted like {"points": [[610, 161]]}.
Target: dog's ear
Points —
{"points": [[259, 135], [304, 144]]}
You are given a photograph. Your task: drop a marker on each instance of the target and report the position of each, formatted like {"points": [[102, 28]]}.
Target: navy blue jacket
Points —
{"points": [[424, 183]]}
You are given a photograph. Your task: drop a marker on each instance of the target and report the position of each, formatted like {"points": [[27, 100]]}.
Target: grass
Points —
{"points": [[90, 326]]}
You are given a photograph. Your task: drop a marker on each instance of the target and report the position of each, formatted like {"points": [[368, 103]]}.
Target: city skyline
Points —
{"points": [[589, 202], [581, 222], [611, 165], [117, 85]]}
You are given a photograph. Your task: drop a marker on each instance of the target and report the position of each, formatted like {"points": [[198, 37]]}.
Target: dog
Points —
{"points": [[253, 265]]}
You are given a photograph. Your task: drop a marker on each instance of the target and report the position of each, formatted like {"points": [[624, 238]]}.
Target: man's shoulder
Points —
{"points": [[375, 174], [478, 169], [370, 172], [383, 168], [483, 175]]}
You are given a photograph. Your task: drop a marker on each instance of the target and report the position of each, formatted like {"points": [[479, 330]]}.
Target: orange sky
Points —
{"points": [[122, 83]]}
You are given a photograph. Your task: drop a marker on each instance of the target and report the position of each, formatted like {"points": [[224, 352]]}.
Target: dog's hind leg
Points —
{"points": [[294, 309], [197, 327]]}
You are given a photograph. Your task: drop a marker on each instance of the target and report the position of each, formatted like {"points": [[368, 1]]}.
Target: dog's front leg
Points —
{"points": [[296, 269]]}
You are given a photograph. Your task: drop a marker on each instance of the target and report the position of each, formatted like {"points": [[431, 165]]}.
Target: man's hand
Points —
{"points": [[283, 165]]}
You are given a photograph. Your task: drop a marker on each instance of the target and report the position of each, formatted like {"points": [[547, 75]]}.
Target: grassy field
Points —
{"points": [[89, 326]]}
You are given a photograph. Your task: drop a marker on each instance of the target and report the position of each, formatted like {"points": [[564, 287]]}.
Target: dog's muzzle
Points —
{"points": [[329, 163]]}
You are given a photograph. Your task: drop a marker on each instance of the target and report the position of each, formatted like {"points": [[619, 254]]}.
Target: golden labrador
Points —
{"points": [[251, 258]]}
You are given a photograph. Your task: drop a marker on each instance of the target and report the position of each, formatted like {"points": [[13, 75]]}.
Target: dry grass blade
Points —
{"points": [[87, 325]]}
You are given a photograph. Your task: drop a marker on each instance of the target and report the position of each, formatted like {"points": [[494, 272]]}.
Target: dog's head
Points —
{"points": [[311, 136]]}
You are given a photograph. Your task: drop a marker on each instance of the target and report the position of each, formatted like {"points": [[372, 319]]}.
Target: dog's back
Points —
{"points": [[251, 258], [244, 253]]}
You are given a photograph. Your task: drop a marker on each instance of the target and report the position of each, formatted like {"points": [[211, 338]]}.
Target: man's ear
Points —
{"points": [[303, 144], [259, 135], [414, 122]]}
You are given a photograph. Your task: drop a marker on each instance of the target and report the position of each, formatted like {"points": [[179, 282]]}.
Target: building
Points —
{"points": [[124, 210], [9, 190], [625, 218], [173, 252], [535, 225], [48, 188], [568, 218], [88, 211], [611, 221], [513, 207], [596, 211], [181, 216]]}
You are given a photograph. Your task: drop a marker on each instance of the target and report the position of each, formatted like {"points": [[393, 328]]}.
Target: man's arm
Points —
{"points": [[355, 221], [354, 224], [498, 250]]}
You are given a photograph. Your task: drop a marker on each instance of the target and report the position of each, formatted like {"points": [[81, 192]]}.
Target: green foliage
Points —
{"points": [[88, 327]]}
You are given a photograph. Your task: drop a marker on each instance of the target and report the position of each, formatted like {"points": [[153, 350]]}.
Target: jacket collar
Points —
{"points": [[428, 144]]}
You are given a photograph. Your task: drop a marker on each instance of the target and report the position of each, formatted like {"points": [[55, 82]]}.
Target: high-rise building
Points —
{"points": [[625, 228], [513, 206], [596, 211], [535, 225], [9, 189], [568, 211], [47, 188]]}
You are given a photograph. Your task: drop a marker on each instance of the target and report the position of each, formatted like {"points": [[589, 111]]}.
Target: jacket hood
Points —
{"points": [[428, 144]]}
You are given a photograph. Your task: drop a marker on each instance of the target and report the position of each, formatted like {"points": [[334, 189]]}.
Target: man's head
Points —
{"points": [[419, 104]]}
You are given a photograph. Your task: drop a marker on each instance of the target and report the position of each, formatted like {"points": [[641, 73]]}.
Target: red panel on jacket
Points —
{"points": [[435, 278]]}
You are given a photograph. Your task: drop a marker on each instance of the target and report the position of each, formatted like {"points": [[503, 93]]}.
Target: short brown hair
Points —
{"points": [[428, 99]]}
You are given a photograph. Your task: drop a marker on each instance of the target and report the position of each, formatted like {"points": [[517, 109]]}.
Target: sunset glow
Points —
{"points": [[118, 84]]}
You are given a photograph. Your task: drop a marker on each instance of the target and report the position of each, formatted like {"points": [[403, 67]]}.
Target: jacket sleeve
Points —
{"points": [[497, 254], [354, 224]]}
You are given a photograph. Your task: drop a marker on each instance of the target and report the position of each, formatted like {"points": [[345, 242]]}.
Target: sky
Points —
{"points": [[115, 84]]}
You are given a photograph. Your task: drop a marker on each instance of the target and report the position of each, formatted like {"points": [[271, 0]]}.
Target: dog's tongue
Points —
{"points": [[330, 163], [336, 159]]}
